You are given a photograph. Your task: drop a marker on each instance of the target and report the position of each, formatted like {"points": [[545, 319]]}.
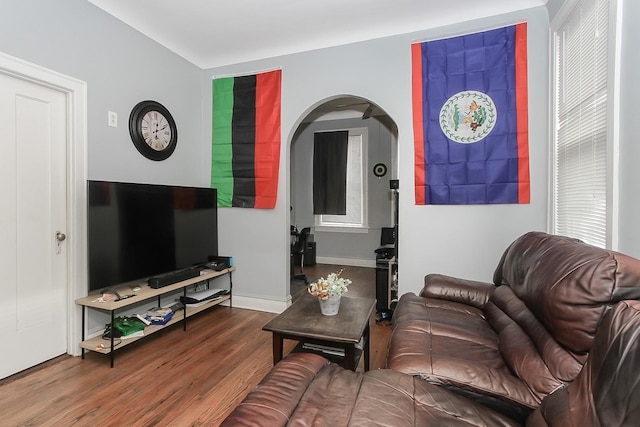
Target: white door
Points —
{"points": [[33, 259]]}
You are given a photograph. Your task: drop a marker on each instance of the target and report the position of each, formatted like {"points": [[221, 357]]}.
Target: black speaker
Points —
{"points": [[382, 287], [394, 184], [309, 255]]}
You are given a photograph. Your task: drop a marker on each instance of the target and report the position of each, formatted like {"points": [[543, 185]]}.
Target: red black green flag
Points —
{"points": [[245, 156]]}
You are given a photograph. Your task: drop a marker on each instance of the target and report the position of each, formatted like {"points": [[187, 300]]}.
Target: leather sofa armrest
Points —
{"points": [[450, 288]]}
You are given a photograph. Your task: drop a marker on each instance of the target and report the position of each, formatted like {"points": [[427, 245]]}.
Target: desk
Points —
{"points": [[303, 322]]}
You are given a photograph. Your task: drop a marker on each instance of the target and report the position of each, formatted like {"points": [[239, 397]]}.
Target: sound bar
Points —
{"points": [[173, 277]]}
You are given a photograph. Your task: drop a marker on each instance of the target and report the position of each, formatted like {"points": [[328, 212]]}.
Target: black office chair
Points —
{"points": [[298, 248]]}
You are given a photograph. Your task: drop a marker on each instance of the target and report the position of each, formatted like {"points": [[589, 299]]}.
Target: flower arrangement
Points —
{"points": [[332, 286]]}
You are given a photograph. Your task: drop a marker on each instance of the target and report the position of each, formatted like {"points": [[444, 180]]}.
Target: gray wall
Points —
{"points": [[462, 240], [121, 67], [343, 245]]}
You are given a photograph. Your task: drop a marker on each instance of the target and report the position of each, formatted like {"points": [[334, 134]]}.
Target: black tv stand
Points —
{"points": [[167, 279]]}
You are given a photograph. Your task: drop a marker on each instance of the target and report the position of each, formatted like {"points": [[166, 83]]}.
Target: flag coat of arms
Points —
{"points": [[470, 118], [245, 154]]}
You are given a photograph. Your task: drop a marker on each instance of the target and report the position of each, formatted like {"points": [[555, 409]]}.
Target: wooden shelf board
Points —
{"points": [[147, 292], [94, 343]]}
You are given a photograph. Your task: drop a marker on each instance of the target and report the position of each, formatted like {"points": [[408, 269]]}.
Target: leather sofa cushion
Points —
{"points": [[448, 318], [447, 347], [332, 396]]}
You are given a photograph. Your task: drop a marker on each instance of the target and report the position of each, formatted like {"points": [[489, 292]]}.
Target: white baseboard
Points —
{"points": [[347, 261], [259, 304]]}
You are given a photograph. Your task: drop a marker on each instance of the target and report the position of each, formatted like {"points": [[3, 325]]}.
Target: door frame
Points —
{"points": [[76, 97]]}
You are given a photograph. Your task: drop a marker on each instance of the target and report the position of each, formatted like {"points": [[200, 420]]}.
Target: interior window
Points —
{"points": [[584, 46], [356, 216]]}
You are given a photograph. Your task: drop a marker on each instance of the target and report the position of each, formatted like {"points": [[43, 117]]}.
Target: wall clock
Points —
{"points": [[153, 130], [380, 170]]}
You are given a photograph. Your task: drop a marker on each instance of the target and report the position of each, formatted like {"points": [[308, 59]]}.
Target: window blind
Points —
{"points": [[580, 193]]}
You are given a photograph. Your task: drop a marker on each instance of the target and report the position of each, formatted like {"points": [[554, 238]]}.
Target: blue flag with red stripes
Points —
{"points": [[470, 118]]}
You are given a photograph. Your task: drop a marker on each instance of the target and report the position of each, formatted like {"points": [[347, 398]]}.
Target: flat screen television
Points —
{"points": [[135, 231]]}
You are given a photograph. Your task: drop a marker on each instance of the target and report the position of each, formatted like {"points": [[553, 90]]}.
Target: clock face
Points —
{"points": [[153, 130], [156, 130]]}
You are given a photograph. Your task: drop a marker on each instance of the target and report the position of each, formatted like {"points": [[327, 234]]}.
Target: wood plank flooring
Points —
{"points": [[172, 378]]}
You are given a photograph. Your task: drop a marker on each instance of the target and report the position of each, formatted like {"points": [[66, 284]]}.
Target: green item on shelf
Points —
{"points": [[124, 326]]}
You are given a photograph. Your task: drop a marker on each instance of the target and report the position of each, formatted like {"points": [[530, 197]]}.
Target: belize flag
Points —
{"points": [[470, 118], [245, 153]]}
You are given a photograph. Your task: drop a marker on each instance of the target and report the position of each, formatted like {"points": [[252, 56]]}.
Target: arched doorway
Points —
{"points": [[351, 245]]}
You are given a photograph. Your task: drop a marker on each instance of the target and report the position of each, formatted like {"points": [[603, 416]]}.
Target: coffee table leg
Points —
{"points": [[277, 347], [366, 348], [350, 357]]}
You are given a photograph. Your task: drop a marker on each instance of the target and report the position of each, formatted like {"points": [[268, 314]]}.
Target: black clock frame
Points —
{"points": [[135, 130]]}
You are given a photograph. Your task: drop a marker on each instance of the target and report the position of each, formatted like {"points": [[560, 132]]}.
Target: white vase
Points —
{"points": [[329, 307]]}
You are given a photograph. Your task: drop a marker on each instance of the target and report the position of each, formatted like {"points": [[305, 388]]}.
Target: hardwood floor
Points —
{"points": [[173, 378]]}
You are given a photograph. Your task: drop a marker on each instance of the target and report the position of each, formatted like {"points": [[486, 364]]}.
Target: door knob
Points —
{"points": [[60, 236]]}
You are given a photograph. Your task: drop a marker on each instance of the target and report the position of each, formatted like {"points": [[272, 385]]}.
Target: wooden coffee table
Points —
{"points": [[303, 322]]}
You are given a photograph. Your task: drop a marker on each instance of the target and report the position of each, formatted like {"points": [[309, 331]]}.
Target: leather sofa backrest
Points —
{"points": [[607, 390], [567, 285], [516, 260], [551, 296]]}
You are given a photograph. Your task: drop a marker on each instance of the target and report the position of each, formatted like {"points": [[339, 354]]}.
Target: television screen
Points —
{"points": [[136, 231]]}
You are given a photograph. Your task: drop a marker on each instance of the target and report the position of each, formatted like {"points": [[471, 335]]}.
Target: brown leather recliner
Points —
{"points": [[511, 343], [305, 389]]}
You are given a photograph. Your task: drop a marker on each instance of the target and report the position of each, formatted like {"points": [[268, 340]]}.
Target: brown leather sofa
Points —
{"points": [[306, 390], [510, 343]]}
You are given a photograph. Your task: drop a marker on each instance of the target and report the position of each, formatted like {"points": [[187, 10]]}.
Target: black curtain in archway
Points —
{"points": [[330, 173]]}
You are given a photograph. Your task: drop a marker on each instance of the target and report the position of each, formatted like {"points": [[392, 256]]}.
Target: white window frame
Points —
{"points": [[604, 232], [337, 223]]}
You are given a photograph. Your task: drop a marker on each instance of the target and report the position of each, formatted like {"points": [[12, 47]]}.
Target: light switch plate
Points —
{"points": [[113, 119]]}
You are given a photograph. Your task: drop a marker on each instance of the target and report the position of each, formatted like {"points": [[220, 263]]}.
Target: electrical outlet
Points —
{"points": [[113, 119]]}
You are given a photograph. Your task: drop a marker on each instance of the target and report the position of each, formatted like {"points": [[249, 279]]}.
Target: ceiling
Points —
{"points": [[212, 33]]}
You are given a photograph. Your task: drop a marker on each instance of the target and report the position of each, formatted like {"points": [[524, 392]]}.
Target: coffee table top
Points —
{"points": [[303, 319]]}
